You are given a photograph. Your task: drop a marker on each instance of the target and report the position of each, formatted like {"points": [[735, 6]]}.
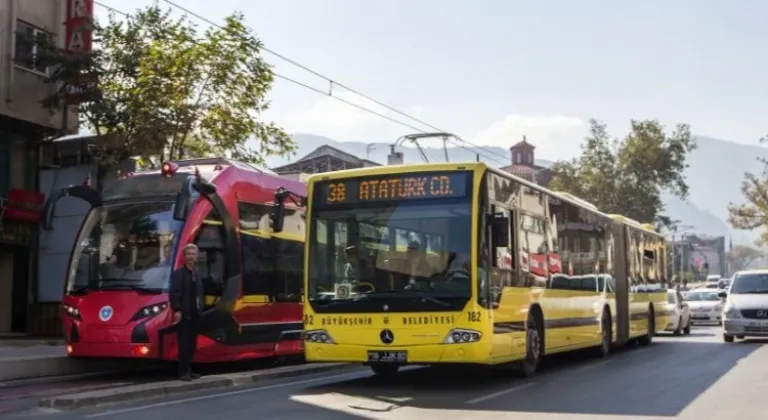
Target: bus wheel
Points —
{"points": [[606, 333], [384, 370], [533, 347], [647, 339]]}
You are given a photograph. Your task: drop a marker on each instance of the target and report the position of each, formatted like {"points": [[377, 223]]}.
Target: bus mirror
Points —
{"points": [[83, 192], [500, 231]]}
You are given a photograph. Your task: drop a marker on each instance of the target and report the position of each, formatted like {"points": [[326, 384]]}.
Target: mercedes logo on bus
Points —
{"points": [[761, 314], [386, 336]]}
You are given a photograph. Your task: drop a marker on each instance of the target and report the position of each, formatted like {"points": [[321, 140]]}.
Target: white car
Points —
{"points": [[680, 313], [745, 313], [706, 306]]}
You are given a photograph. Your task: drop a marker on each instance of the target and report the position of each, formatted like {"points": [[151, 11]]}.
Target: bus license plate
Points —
{"points": [[387, 356]]}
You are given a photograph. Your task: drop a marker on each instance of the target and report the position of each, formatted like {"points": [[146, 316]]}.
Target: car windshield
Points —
{"points": [[671, 298], [702, 296], [125, 246], [750, 283], [421, 247]]}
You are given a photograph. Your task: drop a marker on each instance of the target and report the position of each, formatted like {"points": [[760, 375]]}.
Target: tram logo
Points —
{"points": [[387, 337], [105, 313]]}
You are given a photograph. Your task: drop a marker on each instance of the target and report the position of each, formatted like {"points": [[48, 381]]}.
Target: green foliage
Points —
{"points": [[628, 176], [754, 213], [742, 256], [170, 91]]}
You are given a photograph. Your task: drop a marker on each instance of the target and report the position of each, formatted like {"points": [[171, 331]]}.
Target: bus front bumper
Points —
{"points": [[416, 354]]}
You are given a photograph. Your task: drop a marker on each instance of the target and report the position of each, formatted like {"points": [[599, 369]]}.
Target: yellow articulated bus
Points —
{"points": [[463, 263]]}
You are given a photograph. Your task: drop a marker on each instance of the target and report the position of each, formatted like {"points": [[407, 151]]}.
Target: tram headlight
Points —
{"points": [[318, 336], [459, 336], [72, 312], [150, 311]]}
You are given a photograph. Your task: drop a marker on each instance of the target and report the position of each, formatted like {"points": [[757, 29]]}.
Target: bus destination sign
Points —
{"points": [[395, 187]]}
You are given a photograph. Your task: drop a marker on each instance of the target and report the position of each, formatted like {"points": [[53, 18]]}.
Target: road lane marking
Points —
{"points": [[224, 394], [500, 393]]}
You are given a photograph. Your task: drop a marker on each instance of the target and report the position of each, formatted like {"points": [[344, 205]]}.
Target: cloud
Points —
{"points": [[536, 128], [555, 136], [334, 114]]}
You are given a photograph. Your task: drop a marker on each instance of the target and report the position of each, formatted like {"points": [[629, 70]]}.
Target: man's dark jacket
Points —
{"points": [[183, 292]]}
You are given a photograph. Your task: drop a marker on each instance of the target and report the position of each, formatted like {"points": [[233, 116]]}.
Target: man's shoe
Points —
{"points": [[186, 377], [195, 375]]}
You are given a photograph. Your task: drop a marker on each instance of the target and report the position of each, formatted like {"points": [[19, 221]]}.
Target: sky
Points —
{"points": [[492, 71]]}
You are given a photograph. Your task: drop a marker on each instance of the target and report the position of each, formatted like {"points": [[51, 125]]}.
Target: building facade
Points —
{"points": [[24, 127], [523, 158]]}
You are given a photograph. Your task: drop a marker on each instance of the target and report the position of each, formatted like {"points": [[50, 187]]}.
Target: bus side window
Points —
{"points": [[288, 277]]}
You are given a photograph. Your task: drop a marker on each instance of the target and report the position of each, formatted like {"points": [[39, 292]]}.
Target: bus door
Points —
{"points": [[622, 283]]}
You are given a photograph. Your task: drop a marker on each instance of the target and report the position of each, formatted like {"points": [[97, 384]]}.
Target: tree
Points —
{"points": [[169, 91], [628, 176], [754, 213], [742, 256]]}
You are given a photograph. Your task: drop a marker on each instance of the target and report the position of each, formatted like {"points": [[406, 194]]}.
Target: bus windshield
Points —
{"points": [[125, 246], [421, 247]]}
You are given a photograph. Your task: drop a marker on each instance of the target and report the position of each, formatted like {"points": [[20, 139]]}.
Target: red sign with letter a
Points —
{"points": [[79, 25], [23, 205]]}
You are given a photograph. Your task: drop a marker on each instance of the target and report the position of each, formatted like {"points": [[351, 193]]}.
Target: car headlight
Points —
{"points": [[730, 311], [459, 336], [318, 336], [718, 307]]}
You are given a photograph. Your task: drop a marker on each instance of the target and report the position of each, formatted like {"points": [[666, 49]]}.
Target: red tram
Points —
{"points": [[115, 301]]}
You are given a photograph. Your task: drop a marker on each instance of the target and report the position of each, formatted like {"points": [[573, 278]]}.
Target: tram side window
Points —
{"points": [[258, 264], [288, 277], [253, 216]]}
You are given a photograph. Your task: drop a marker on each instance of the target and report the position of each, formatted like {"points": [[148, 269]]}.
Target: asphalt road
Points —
{"points": [[690, 377]]}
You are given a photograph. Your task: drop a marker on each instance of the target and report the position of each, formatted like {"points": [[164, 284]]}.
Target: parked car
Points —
{"points": [[680, 313], [745, 313], [706, 306]]}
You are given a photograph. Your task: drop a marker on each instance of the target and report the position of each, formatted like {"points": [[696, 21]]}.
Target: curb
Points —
{"points": [[161, 389]]}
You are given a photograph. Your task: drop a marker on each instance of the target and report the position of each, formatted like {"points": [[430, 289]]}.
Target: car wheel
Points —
{"points": [[728, 338]]}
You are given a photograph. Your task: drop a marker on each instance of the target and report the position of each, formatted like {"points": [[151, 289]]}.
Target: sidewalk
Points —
{"points": [[31, 359]]}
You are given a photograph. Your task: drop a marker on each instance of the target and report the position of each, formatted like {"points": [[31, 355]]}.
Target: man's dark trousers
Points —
{"points": [[187, 342]]}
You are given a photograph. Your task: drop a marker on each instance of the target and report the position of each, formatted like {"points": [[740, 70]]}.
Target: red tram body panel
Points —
{"points": [[115, 302]]}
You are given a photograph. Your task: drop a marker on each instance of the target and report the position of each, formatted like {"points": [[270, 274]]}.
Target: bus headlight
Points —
{"points": [[150, 310], [318, 336], [458, 336]]}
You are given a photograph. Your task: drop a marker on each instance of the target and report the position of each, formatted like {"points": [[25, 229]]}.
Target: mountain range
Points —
{"points": [[716, 169]]}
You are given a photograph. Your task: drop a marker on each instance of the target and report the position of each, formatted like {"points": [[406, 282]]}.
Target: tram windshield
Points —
{"points": [[125, 246]]}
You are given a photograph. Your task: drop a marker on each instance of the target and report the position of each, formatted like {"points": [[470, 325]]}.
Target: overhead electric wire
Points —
{"points": [[333, 83]]}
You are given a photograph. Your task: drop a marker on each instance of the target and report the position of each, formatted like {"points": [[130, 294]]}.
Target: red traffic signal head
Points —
{"points": [[168, 169]]}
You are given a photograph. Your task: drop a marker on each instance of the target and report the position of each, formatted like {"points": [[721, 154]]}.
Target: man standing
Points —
{"points": [[187, 303]]}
